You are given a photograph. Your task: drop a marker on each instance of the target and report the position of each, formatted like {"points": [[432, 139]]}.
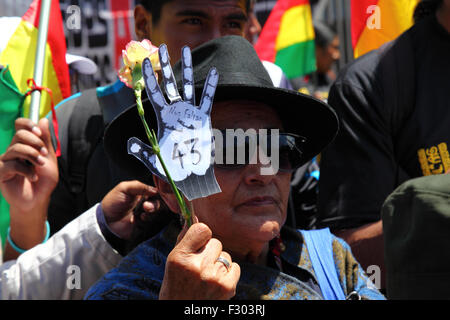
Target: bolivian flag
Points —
{"points": [[375, 22], [18, 61], [20, 53], [287, 38]]}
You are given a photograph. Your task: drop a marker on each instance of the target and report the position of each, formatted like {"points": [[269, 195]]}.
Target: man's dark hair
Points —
{"points": [[426, 8], [154, 7], [323, 34]]}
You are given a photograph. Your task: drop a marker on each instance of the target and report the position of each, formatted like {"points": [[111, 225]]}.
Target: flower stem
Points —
{"points": [[155, 146]]}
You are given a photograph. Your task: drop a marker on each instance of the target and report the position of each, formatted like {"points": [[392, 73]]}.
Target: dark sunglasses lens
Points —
{"points": [[290, 152], [238, 152]]}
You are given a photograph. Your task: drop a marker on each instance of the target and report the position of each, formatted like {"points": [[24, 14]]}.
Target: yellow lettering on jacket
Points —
{"points": [[434, 160]]}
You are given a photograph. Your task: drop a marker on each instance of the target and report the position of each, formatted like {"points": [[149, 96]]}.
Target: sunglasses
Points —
{"points": [[235, 149]]}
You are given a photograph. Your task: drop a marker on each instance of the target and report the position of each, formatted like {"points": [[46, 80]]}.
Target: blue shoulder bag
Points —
{"points": [[319, 244]]}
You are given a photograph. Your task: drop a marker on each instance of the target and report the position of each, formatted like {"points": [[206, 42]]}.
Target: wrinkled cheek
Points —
{"points": [[210, 211]]}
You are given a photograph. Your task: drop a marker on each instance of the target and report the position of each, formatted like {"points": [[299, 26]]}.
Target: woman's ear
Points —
{"points": [[142, 23], [167, 194]]}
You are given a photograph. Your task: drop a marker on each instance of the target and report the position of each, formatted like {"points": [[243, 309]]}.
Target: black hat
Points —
{"points": [[241, 76]]}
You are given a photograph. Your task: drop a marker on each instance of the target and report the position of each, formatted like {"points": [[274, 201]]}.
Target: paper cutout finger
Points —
{"points": [[152, 88], [170, 84], [188, 76], [184, 129]]}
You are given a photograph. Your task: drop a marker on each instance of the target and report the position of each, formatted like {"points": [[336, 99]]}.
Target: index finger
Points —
{"points": [[170, 84], [137, 188], [188, 75], [27, 124]]}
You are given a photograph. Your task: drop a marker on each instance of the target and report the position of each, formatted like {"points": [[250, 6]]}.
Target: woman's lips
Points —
{"points": [[259, 201]]}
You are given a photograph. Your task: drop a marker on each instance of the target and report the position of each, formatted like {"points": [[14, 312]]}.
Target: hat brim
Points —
{"points": [[82, 64], [300, 114]]}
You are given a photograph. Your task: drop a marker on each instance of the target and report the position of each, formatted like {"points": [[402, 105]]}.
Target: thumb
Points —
{"points": [[194, 238], [185, 228]]}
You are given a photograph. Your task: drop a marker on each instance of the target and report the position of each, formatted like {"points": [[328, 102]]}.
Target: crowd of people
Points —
{"points": [[376, 131]]}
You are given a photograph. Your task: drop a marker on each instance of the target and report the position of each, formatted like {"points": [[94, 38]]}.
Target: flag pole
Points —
{"points": [[40, 59]]}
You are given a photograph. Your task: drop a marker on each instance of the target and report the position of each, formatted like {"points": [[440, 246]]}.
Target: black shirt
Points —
{"points": [[387, 137]]}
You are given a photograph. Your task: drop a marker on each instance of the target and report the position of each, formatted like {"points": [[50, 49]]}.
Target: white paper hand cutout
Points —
{"points": [[184, 129]]}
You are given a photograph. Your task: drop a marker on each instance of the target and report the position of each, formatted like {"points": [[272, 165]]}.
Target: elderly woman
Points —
{"points": [[239, 248]]}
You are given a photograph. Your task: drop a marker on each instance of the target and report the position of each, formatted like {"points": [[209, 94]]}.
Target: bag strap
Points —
{"points": [[85, 130], [319, 245]]}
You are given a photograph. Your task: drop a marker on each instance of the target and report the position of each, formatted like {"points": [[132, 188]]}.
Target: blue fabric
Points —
{"points": [[140, 274], [114, 99], [110, 89], [319, 244], [315, 174]]}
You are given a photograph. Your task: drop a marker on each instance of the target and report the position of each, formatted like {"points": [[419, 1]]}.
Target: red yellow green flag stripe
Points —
{"points": [[287, 38], [20, 52], [375, 22]]}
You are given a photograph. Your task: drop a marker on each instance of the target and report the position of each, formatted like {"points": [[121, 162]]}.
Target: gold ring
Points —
{"points": [[225, 262]]}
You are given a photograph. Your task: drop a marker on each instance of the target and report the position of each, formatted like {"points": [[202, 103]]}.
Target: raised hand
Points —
{"points": [[194, 270], [28, 176], [184, 129], [28, 168], [118, 204]]}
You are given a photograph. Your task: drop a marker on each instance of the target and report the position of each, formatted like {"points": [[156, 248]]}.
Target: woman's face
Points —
{"points": [[251, 209]]}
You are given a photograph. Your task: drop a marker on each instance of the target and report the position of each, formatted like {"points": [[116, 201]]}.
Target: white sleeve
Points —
{"points": [[277, 75], [64, 267]]}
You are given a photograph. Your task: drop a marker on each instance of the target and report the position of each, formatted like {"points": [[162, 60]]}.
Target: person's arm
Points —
{"points": [[28, 175], [367, 245], [359, 169], [63, 267], [354, 280], [75, 257]]}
